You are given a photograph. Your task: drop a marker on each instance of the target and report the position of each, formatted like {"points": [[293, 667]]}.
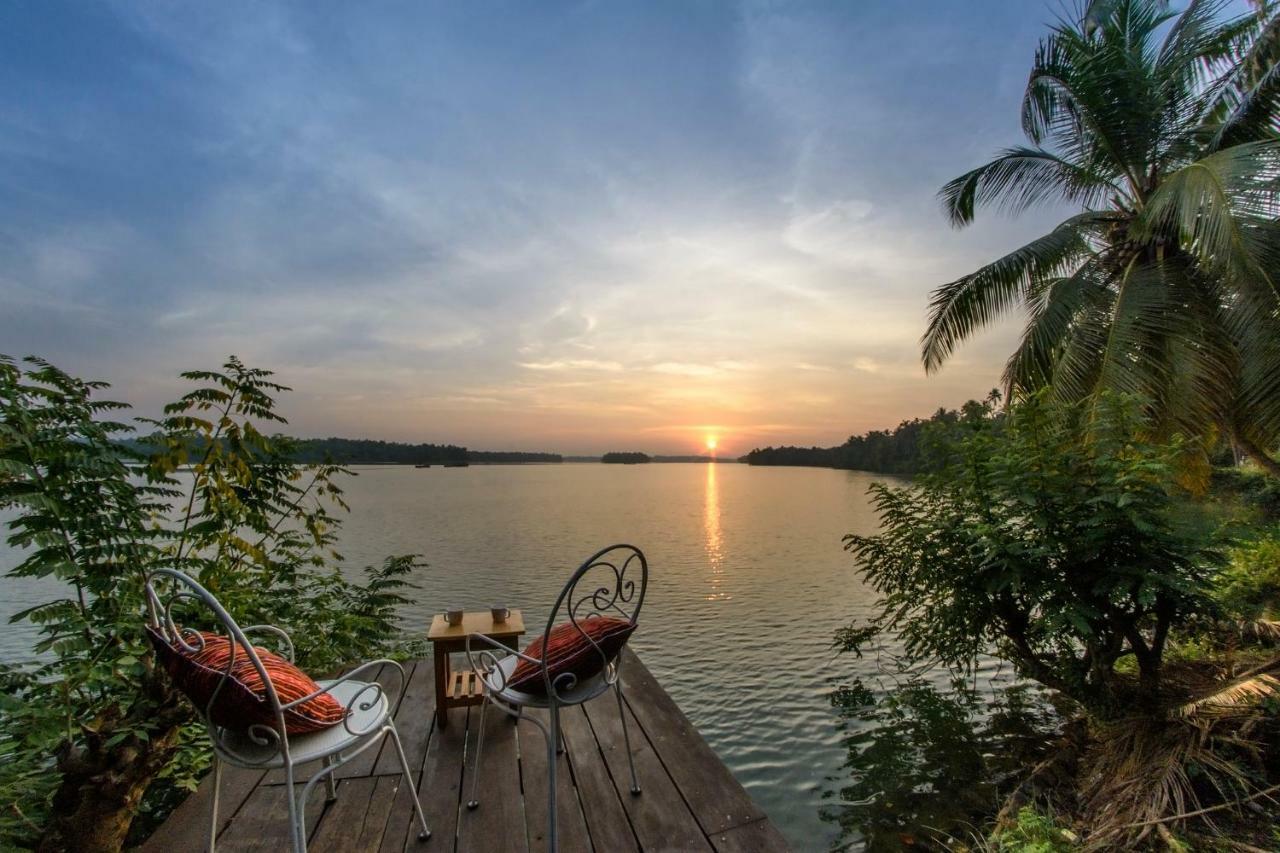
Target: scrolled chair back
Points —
{"points": [[611, 583], [181, 638]]}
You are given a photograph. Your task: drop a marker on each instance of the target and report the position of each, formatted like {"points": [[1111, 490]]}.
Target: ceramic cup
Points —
{"points": [[500, 614], [453, 617]]}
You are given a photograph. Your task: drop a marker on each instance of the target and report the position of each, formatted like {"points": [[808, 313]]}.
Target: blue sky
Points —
{"points": [[578, 226]]}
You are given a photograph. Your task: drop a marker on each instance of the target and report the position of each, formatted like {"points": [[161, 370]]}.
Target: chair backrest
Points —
{"points": [[169, 588], [612, 582]]}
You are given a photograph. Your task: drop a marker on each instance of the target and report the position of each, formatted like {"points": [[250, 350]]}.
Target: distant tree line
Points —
{"points": [[363, 451], [901, 450], [366, 451], [625, 458], [508, 456]]}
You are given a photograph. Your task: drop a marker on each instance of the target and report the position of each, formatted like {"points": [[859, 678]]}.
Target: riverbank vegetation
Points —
{"points": [[896, 451], [96, 744], [368, 451], [1082, 534]]}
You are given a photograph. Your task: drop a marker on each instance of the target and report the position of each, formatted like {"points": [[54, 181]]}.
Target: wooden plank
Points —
{"points": [[690, 801], [607, 820], [413, 722], [717, 800], [660, 817], [570, 824], [187, 828], [439, 789], [357, 821], [759, 836], [498, 824], [343, 821], [263, 821]]}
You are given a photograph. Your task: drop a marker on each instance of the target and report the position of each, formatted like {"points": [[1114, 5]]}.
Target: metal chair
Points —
{"points": [[369, 717], [611, 592]]}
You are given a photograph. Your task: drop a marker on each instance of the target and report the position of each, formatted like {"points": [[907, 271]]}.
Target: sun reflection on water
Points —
{"points": [[714, 542]]}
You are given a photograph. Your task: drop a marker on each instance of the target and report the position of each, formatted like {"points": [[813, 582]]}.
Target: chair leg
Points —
{"points": [[296, 812], [553, 739], [475, 772], [331, 784], [408, 780], [626, 738], [213, 815]]}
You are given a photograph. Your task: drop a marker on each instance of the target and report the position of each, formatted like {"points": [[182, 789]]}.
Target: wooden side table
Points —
{"points": [[460, 688]]}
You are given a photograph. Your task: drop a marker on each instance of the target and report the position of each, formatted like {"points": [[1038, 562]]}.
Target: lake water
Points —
{"points": [[748, 582]]}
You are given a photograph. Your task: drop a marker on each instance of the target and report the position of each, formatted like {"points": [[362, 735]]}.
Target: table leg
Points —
{"points": [[442, 681]]}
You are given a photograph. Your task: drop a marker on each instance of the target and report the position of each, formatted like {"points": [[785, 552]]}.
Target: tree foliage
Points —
{"points": [[1057, 553], [90, 724], [1163, 128], [625, 458], [901, 450]]}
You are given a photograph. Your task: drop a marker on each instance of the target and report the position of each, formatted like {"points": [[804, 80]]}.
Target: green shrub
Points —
{"points": [[1032, 832], [1249, 586], [90, 724], [1057, 552]]}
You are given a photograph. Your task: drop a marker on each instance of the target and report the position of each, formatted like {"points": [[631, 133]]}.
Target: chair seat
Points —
{"points": [[586, 689], [240, 749]]}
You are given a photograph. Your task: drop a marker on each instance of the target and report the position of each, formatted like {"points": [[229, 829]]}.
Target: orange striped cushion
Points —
{"points": [[568, 649], [242, 701]]}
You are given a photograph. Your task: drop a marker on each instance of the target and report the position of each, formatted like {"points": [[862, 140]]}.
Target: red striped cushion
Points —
{"points": [[570, 650], [242, 701]]}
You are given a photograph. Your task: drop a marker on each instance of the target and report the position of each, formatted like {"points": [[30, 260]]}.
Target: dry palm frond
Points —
{"points": [[1267, 630], [1139, 776], [1242, 695]]}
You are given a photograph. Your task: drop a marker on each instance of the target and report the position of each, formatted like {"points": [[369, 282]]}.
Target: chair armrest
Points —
{"points": [[279, 633], [372, 692], [488, 660]]}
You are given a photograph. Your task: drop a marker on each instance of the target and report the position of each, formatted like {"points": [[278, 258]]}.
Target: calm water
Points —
{"points": [[748, 582]]}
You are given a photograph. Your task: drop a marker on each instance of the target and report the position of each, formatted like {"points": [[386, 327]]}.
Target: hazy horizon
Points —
{"points": [[570, 227]]}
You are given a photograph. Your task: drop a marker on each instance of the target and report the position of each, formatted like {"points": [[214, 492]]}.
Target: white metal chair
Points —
{"points": [[369, 714], [609, 591]]}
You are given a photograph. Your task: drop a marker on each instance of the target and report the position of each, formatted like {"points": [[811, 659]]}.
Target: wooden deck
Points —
{"points": [[690, 799]]}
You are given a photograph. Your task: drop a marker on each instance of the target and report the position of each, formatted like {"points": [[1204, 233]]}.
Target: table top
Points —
{"points": [[478, 622]]}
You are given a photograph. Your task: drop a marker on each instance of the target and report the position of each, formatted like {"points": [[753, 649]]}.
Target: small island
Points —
{"points": [[617, 458]]}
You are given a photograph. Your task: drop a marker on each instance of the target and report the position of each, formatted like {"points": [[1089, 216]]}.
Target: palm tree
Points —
{"points": [[1164, 128]]}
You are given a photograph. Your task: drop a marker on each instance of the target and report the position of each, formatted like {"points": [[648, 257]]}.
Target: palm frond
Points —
{"points": [[1053, 310], [1243, 104], [1266, 630], [1221, 209], [961, 307], [1166, 344], [1020, 178], [1240, 696]]}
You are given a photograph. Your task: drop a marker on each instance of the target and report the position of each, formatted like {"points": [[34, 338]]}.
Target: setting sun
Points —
{"points": [[711, 442]]}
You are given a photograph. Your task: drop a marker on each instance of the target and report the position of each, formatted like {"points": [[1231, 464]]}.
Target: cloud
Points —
{"points": [[564, 224], [866, 365], [573, 364]]}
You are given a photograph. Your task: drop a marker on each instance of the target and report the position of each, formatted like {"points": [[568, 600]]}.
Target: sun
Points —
{"points": [[711, 442]]}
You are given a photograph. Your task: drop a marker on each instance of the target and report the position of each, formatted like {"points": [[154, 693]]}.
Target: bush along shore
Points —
{"points": [[1148, 612], [97, 746], [1082, 535]]}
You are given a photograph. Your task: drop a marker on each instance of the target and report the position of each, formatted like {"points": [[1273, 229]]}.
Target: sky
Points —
{"points": [[575, 227]]}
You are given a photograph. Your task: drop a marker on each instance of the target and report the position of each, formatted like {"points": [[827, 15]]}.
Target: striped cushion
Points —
{"points": [[569, 648], [242, 701]]}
